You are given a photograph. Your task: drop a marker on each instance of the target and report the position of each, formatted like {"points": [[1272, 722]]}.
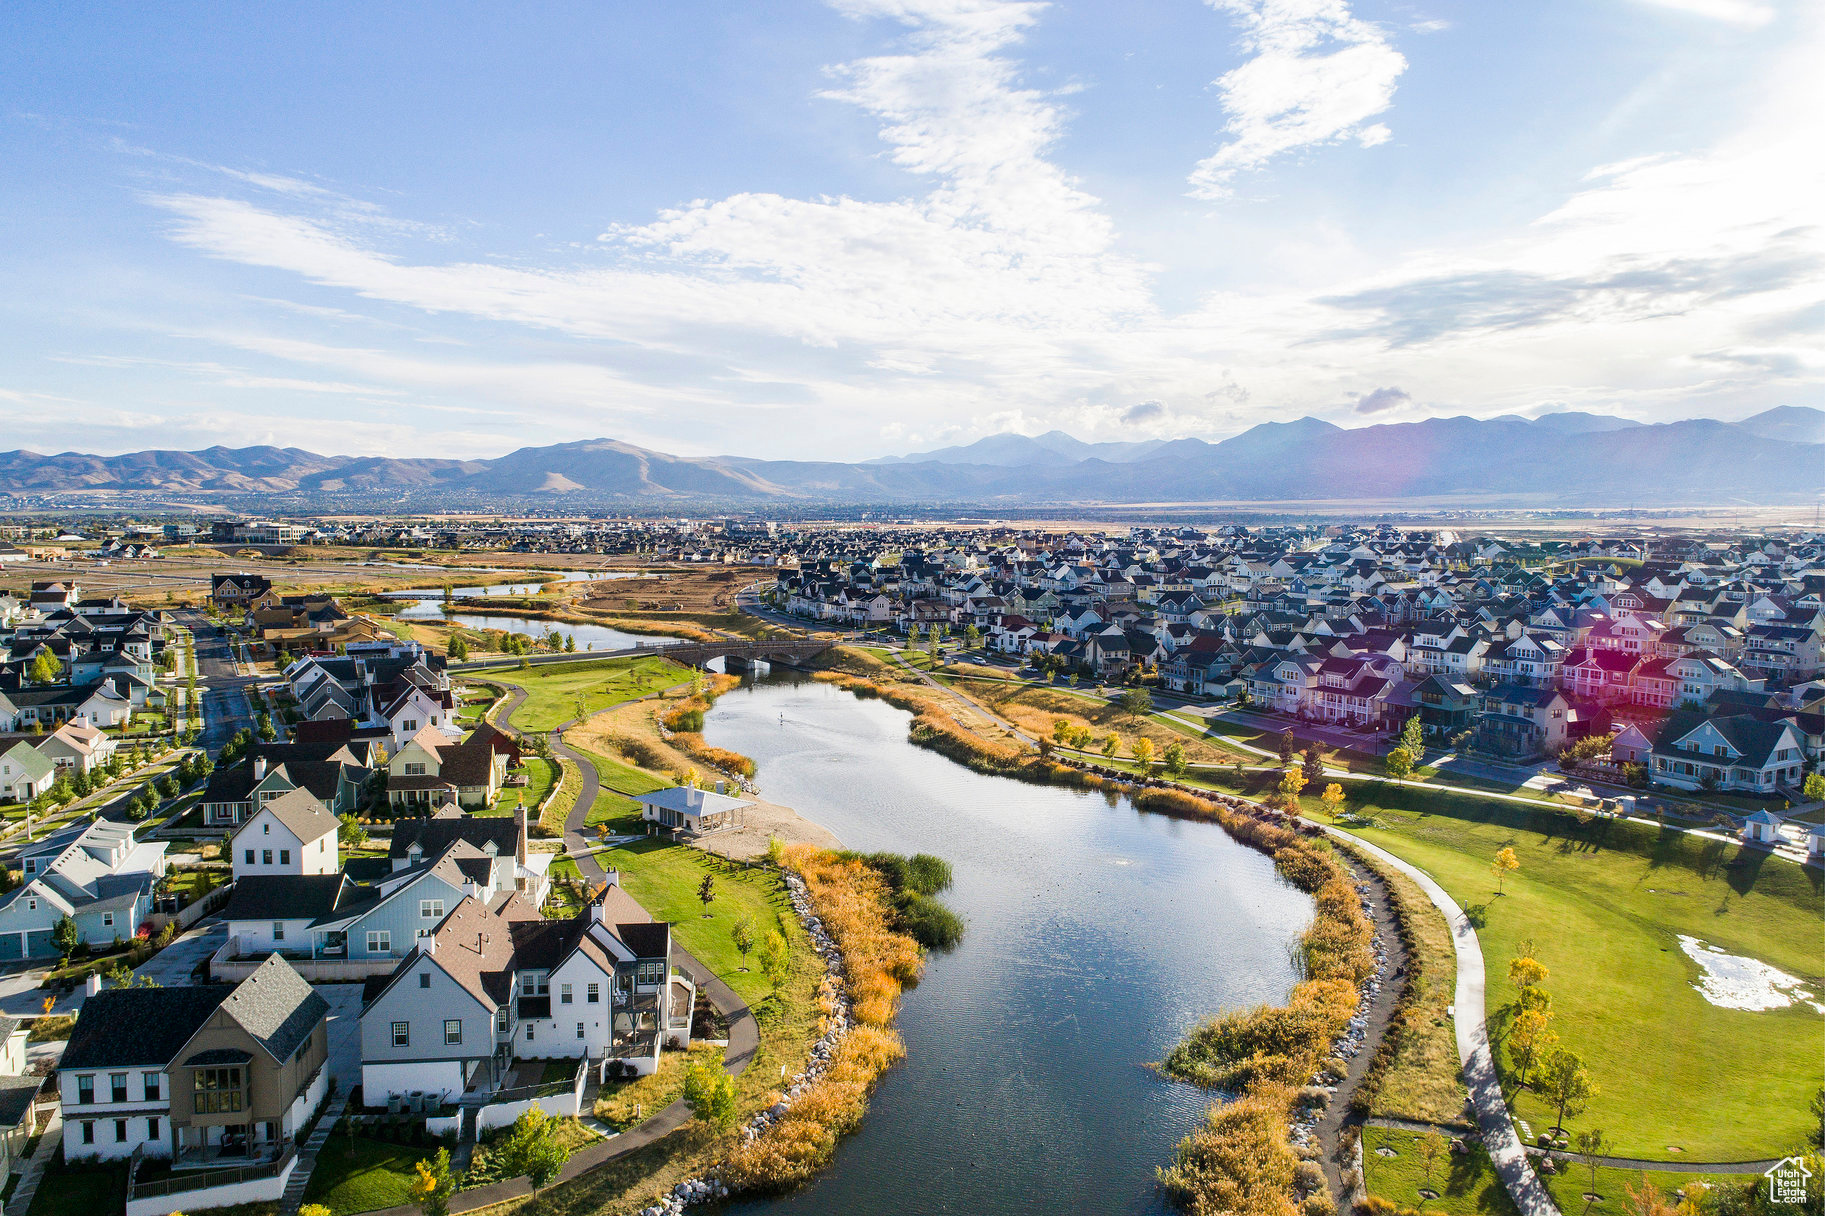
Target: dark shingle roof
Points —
{"points": [[286, 896], [277, 1007], [124, 1026]]}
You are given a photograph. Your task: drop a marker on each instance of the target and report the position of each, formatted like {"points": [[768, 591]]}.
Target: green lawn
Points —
{"points": [[362, 1175], [552, 690], [1467, 1185], [664, 877], [1603, 904], [540, 774], [79, 1192], [618, 781]]}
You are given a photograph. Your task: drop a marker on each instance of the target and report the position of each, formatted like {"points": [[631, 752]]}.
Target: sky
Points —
{"points": [[842, 229]]}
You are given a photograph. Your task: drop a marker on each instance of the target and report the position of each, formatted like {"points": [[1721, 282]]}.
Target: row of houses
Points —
{"points": [[465, 977], [104, 655], [1369, 627]]}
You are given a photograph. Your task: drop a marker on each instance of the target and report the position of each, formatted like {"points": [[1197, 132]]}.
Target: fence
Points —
{"points": [[211, 1188], [563, 1099]]}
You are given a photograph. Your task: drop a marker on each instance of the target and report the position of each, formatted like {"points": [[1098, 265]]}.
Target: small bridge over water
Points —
{"points": [[738, 655]]}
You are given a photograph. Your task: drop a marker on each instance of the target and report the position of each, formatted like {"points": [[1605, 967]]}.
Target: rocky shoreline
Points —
{"points": [[710, 1188]]}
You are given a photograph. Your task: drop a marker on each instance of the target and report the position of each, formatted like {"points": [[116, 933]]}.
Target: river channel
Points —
{"points": [[1097, 936]]}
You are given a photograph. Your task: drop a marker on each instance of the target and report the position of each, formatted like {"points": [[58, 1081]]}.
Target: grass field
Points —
{"points": [[1603, 904], [79, 1192], [618, 781], [362, 1175], [664, 877], [1466, 1185], [553, 690], [540, 774]]}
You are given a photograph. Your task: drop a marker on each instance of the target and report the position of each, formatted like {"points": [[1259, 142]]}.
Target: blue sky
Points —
{"points": [[834, 230]]}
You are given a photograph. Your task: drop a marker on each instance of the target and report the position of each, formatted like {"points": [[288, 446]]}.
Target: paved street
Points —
{"points": [[225, 705]]}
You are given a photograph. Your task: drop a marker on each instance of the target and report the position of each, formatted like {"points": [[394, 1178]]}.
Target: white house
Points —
{"points": [[292, 834], [692, 810]]}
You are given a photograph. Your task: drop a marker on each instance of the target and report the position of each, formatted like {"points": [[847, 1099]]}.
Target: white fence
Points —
{"points": [[561, 1101], [186, 1193]]}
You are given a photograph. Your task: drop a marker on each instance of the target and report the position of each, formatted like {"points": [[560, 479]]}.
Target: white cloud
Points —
{"points": [[1750, 14], [1316, 76]]}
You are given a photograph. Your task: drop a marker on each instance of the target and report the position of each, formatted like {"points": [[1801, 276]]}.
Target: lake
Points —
{"points": [[1097, 936]]}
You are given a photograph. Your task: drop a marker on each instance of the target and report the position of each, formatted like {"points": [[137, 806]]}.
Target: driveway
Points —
{"points": [[344, 1032], [20, 995], [173, 965]]}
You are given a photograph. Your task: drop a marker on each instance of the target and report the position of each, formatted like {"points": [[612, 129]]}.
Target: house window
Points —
{"points": [[529, 1032], [278, 930], [152, 1128], [250, 857], [31, 905], [433, 908], [117, 1084], [107, 919], [120, 1131], [265, 857], [579, 1030], [85, 1091], [410, 724], [424, 979], [380, 941], [402, 1034], [651, 973], [266, 829], [500, 1020], [218, 1090], [284, 857], [152, 1082], [88, 1131], [414, 769], [563, 994], [453, 1030], [595, 994]]}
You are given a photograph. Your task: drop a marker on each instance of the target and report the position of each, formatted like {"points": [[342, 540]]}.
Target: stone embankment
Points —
{"points": [[710, 1189]]}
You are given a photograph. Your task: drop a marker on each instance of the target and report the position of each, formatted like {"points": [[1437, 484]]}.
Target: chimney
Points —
{"points": [[429, 943], [596, 916], [519, 851], [92, 985], [259, 768], [612, 877]]}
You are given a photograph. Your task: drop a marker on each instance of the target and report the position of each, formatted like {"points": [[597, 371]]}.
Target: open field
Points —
{"points": [[1466, 1185], [559, 692], [664, 877], [1603, 904]]}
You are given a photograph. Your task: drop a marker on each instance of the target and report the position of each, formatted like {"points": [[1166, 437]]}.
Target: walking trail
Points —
{"points": [[1473, 1050]]}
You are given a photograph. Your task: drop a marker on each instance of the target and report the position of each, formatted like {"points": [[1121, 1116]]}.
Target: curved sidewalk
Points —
{"points": [[1473, 1050]]}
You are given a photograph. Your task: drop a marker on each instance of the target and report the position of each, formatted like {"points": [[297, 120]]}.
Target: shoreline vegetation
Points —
{"points": [[856, 899]]}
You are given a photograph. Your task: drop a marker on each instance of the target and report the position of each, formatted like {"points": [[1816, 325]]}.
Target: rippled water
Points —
{"points": [[1097, 936]]}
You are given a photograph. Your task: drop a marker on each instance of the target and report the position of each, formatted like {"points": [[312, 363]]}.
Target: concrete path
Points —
{"points": [[38, 1162], [1473, 1049], [307, 1156]]}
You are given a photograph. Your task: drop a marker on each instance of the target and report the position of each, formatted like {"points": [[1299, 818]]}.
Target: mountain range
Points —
{"points": [[1777, 456]]}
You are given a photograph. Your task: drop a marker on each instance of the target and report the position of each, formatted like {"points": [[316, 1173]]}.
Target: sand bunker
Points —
{"points": [[1734, 982]]}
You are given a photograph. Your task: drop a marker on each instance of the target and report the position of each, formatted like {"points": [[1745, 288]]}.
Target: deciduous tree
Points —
{"points": [[431, 1185], [706, 893], [1332, 798], [1399, 764], [1566, 1083], [711, 1093], [1505, 863], [742, 934], [1142, 749]]}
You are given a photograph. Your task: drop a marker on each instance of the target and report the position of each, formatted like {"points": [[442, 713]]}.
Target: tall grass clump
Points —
{"points": [[855, 904], [911, 883]]}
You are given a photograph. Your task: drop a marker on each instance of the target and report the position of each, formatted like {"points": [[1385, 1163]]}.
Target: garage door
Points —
{"points": [[38, 944], [9, 946]]}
